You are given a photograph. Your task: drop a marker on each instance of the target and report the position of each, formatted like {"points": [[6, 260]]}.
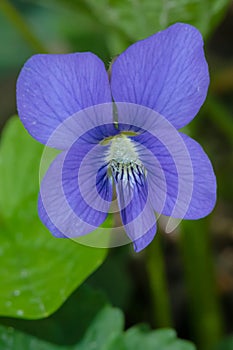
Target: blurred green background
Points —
{"points": [[183, 280]]}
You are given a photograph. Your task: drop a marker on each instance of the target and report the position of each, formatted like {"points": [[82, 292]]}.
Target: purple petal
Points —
{"points": [[166, 72], [136, 211], [204, 185], [92, 124], [180, 176], [85, 182], [142, 242], [79, 218], [53, 208], [47, 221], [51, 88]]}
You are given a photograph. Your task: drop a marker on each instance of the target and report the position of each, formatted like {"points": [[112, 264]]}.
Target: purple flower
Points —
{"points": [[158, 85]]}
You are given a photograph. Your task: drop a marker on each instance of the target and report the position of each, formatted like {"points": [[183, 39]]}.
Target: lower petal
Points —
{"points": [[86, 185], [53, 208], [136, 211], [142, 242], [181, 180], [64, 214], [204, 181]]}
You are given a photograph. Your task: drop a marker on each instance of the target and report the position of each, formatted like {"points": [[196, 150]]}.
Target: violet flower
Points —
{"points": [[158, 85]]}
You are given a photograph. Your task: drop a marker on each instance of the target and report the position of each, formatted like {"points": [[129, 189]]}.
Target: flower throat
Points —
{"points": [[123, 160]]}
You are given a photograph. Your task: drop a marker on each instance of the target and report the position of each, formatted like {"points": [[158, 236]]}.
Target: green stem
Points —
{"points": [[158, 283], [201, 284], [13, 16]]}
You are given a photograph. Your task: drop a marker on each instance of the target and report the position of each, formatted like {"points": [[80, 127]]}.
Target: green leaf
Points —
{"points": [[137, 19], [140, 337], [164, 339], [105, 333], [107, 325], [19, 166], [38, 272], [13, 340], [225, 344], [68, 324]]}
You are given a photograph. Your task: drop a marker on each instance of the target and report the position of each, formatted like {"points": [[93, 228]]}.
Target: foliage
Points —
{"points": [[105, 333], [38, 272]]}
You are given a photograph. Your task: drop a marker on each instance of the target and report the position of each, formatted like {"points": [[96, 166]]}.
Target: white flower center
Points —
{"points": [[122, 150], [124, 161]]}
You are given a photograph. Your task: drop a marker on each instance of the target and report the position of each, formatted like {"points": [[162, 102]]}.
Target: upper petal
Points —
{"points": [[166, 72], [51, 88]]}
